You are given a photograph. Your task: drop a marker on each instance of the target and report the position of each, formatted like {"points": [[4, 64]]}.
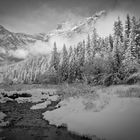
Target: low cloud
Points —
{"points": [[40, 48], [19, 53]]}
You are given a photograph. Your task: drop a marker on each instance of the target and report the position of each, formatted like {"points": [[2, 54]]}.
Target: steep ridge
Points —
{"points": [[12, 44], [71, 33]]}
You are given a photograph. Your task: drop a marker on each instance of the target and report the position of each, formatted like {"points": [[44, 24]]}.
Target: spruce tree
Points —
{"points": [[94, 42], [127, 26], [130, 56], [118, 29], [88, 54], [133, 45], [64, 64], [129, 61], [116, 55], [54, 62], [80, 59], [72, 66], [111, 42], [118, 38]]}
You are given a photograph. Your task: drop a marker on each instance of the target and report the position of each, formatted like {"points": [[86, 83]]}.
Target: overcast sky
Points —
{"points": [[34, 16]]}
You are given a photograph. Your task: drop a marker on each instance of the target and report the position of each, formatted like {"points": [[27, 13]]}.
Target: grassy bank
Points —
{"points": [[76, 89]]}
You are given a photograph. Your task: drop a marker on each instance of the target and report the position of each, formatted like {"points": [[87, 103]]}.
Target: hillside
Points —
{"points": [[12, 44]]}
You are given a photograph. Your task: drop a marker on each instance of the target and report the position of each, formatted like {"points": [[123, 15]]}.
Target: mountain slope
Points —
{"points": [[10, 41], [12, 45]]}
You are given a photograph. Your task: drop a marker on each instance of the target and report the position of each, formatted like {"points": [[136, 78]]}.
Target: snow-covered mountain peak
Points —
{"points": [[70, 33], [68, 25], [65, 25]]}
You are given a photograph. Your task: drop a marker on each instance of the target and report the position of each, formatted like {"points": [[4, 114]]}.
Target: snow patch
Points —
{"points": [[45, 104], [41, 105], [73, 106], [109, 118]]}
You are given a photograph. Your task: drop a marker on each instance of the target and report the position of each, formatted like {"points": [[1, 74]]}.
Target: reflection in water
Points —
{"points": [[111, 118]]}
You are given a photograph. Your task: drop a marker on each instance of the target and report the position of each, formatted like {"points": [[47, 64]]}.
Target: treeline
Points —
{"points": [[27, 72], [111, 60]]}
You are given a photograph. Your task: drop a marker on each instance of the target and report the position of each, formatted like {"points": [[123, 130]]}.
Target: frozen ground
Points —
{"points": [[112, 113], [109, 116], [33, 95]]}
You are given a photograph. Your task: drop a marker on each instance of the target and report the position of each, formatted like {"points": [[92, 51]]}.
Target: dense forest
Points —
{"points": [[100, 61]]}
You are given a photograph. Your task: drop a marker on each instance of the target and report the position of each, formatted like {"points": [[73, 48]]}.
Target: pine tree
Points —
{"points": [[111, 42], [129, 61], [94, 42], [102, 46], [132, 52], [80, 59], [118, 37], [127, 26], [132, 42], [64, 64], [134, 22], [118, 29], [70, 52], [54, 62], [116, 55], [130, 56], [84, 51], [88, 54], [72, 65]]}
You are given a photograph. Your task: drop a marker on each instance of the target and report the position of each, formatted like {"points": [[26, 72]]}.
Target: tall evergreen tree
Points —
{"points": [[136, 36], [80, 60], [129, 61], [94, 42], [88, 54], [72, 65], [118, 38], [116, 55], [127, 26], [64, 64], [111, 42], [70, 52], [84, 51], [133, 45], [54, 62], [118, 29], [130, 56]]}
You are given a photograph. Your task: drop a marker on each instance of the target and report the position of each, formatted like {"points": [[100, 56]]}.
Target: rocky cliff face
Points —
{"points": [[10, 42]]}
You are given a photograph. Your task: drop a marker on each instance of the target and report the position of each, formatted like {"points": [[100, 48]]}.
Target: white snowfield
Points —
{"points": [[41, 105], [45, 104], [74, 106], [110, 116]]}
